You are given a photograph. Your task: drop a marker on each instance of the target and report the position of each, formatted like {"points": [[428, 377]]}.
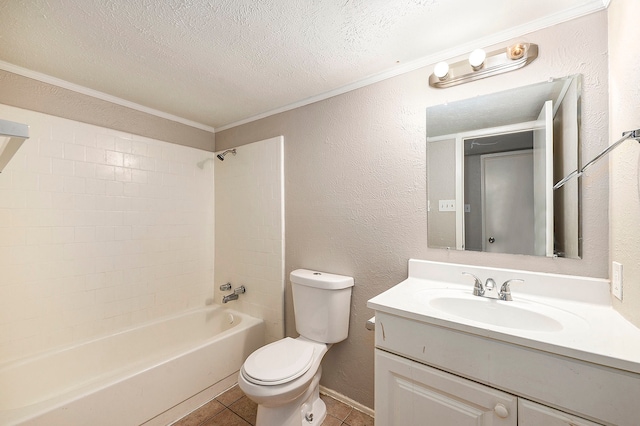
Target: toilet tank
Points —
{"points": [[322, 303]]}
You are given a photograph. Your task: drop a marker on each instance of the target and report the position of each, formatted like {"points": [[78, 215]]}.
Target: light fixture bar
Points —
{"points": [[497, 62]]}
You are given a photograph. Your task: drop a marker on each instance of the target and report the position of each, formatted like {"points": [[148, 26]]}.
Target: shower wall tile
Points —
{"points": [[99, 230], [249, 236]]}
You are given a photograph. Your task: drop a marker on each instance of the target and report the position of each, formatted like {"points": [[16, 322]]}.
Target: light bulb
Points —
{"points": [[441, 70], [516, 51], [476, 59]]}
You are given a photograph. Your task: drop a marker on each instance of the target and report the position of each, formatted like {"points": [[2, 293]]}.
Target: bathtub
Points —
{"points": [[152, 374]]}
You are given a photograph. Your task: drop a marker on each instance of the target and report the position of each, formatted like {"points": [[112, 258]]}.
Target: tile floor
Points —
{"points": [[233, 408]]}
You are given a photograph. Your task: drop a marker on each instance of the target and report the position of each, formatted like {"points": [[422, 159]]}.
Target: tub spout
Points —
{"points": [[228, 297], [234, 296]]}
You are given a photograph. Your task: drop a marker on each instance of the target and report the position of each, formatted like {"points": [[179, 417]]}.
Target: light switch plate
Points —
{"points": [[447, 205], [616, 279]]}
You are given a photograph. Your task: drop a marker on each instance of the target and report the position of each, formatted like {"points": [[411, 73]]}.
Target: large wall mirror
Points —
{"points": [[492, 162]]}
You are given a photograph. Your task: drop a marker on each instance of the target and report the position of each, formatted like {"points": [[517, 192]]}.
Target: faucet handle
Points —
{"points": [[225, 287], [505, 290], [478, 288]]}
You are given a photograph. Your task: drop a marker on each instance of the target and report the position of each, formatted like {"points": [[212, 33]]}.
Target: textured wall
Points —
{"points": [[355, 183], [249, 237], [34, 95], [99, 230], [624, 86]]}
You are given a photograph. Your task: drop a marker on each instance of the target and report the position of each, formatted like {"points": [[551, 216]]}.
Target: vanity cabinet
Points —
{"points": [[415, 394], [532, 414], [432, 375], [409, 393]]}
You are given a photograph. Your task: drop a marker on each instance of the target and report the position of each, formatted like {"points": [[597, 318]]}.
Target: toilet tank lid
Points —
{"points": [[322, 280]]}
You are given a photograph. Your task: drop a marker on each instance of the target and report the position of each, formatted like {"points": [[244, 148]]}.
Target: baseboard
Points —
{"points": [[350, 402]]}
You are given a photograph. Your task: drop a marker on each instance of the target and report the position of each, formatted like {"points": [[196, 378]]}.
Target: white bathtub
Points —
{"points": [[134, 376]]}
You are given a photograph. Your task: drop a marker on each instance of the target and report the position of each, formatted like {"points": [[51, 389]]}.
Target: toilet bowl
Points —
{"points": [[280, 378], [283, 377]]}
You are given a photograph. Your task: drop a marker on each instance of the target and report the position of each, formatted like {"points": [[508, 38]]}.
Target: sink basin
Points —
{"points": [[497, 312]]}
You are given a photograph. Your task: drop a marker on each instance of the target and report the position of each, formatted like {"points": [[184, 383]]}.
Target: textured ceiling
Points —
{"points": [[220, 62]]}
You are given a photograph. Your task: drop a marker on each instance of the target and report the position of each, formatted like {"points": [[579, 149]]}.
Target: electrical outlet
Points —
{"points": [[447, 205], [616, 279]]}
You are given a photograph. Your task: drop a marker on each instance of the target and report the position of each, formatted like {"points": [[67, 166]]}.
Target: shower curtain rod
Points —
{"points": [[631, 134]]}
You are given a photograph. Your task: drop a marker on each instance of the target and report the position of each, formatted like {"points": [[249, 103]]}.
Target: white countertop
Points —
{"points": [[592, 330]]}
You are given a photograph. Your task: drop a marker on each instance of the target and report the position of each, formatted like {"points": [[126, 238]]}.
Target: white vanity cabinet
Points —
{"points": [[432, 375], [532, 414], [557, 354], [412, 394], [409, 393]]}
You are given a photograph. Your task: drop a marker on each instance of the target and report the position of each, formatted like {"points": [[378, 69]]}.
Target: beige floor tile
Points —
{"points": [[336, 408], [357, 418], [245, 408], [331, 421], [208, 410], [225, 418], [230, 396]]}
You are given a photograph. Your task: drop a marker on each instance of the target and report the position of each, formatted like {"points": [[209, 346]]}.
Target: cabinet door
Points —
{"points": [[411, 394], [533, 414]]}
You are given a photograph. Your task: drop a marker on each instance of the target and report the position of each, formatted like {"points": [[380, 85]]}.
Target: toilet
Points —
{"points": [[283, 377]]}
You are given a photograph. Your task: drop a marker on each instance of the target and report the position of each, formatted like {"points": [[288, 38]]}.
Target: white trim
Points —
{"points": [[558, 18], [6, 66], [491, 131], [459, 185], [350, 402]]}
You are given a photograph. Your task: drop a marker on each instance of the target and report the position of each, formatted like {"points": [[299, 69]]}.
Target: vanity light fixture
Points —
{"points": [[441, 70], [481, 65], [476, 59]]}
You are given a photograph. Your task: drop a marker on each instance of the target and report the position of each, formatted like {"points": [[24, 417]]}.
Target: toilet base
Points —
{"points": [[306, 410]]}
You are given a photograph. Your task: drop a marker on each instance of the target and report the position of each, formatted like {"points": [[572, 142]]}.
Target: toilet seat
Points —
{"points": [[279, 362]]}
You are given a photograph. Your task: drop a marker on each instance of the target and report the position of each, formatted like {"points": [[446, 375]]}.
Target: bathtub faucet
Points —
{"points": [[235, 294]]}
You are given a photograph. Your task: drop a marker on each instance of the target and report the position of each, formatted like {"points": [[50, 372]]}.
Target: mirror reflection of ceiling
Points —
{"points": [[219, 62], [498, 109], [499, 143]]}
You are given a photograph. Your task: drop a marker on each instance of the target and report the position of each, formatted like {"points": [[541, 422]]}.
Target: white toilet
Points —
{"points": [[283, 377]]}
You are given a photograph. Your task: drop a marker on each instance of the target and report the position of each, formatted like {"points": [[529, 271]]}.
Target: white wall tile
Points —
{"points": [[249, 231], [91, 243]]}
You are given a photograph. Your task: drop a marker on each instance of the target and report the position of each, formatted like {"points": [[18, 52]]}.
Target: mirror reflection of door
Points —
{"points": [[543, 181], [507, 202], [497, 195]]}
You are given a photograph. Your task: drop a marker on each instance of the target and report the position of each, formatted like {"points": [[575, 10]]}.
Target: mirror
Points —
{"points": [[492, 162]]}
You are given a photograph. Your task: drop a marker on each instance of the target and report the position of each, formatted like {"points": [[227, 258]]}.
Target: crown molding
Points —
{"points": [[6, 66], [511, 33]]}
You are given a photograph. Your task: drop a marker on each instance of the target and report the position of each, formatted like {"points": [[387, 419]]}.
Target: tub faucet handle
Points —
{"points": [[225, 287], [240, 290]]}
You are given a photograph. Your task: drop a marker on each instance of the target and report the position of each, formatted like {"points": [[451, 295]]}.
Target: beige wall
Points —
{"points": [[34, 95], [441, 182], [624, 86], [355, 183]]}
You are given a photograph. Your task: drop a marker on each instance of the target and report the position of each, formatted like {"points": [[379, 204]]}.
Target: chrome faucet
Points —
{"points": [[234, 296], [490, 289], [505, 290], [229, 297]]}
